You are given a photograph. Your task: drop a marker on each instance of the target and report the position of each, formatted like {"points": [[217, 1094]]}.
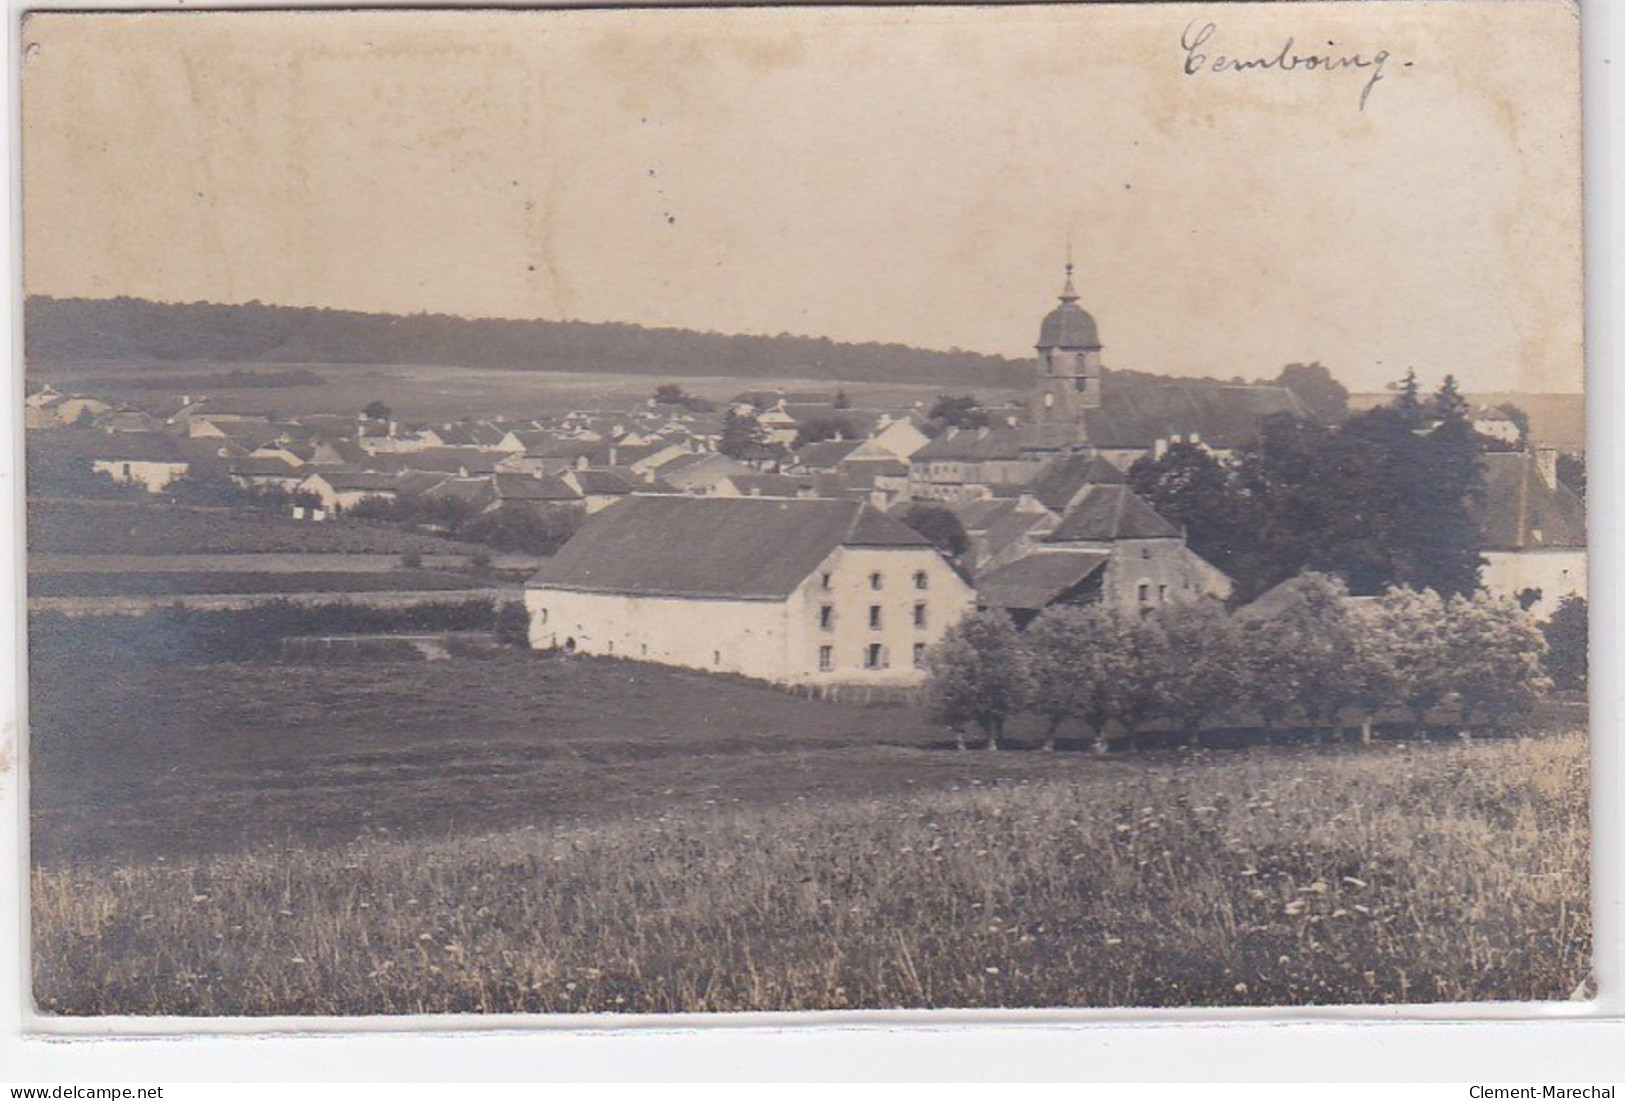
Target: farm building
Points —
{"points": [[810, 591], [1110, 547]]}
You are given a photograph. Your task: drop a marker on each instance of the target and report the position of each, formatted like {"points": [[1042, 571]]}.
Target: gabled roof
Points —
{"points": [[825, 455], [452, 460], [522, 487], [976, 445], [1224, 416], [351, 481], [1033, 582], [741, 547], [1520, 511], [129, 447], [1105, 513], [1061, 480], [604, 482], [264, 466]]}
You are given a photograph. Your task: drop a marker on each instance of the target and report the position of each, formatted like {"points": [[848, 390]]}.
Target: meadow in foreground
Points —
{"points": [[1382, 874]]}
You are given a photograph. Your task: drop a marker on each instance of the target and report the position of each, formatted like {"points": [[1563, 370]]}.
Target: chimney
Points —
{"points": [[1546, 464]]}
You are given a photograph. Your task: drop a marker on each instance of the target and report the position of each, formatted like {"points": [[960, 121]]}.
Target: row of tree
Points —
{"points": [[1320, 662], [1385, 499]]}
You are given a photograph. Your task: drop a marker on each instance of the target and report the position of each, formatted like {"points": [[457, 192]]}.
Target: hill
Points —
{"points": [[129, 330]]}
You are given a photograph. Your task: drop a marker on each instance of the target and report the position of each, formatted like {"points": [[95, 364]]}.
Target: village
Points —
{"points": [[798, 537]]}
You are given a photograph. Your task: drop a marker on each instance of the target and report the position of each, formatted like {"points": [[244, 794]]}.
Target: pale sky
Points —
{"points": [[897, 174]]}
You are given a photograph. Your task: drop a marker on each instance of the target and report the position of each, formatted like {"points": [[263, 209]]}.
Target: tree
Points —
{"points": [[1448, 404], [376, 410], [1410, 626], [977, 674], [1314, 385], [819, 429], [512, 624], [841, 400], [1076, 659], [1306, 658], [669, 393], [741, 436], [1189, 487], [1408, 402], [1495, 655], [939, 525], [958, 411], [1568, 645], [1202, 669]]}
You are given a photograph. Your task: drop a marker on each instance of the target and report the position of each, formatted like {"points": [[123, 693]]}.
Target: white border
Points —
{"points": [[1499, 1042]]}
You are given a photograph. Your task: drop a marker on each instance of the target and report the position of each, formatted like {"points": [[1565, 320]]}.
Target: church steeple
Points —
{"points": [[1068, 368], [1067, 293]]}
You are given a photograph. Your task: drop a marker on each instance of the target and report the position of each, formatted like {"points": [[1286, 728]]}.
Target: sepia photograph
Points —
{"points": [[740, 510]]}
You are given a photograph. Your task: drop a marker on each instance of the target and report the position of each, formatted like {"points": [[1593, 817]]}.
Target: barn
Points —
{"points": [[808, 591]]}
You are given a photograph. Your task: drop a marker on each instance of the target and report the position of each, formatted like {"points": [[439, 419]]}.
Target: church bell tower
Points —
{"points": [[1068, 370]]}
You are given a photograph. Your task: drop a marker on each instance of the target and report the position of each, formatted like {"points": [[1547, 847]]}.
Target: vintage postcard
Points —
{"points": [[691, 511]]}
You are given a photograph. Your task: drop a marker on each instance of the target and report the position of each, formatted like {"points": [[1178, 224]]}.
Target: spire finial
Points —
{"points": [[1067, 293]]}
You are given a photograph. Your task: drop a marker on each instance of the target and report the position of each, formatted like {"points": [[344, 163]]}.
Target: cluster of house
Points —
{"points": [[785, 560]]}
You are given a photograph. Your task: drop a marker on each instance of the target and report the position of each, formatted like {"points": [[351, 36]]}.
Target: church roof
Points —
{"points": [[1224, 416], [745, 548], [1068, 325]]}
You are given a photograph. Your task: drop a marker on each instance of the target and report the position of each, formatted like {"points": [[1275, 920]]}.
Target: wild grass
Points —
{"points": [[1379, 874]]}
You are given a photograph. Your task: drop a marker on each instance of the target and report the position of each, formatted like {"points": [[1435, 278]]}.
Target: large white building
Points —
{"points": [[813, 591], [1534, 531]]}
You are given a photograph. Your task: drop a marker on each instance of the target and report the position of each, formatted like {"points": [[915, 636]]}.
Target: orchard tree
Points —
{"points": [[1567, 645], [741, 436], [376, 410], [1077, 657], [1202, 664], [1410, 626], [1496, 654], [978, 674]]}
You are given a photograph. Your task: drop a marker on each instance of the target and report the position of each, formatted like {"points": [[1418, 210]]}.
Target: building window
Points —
{"points": [[871, 656], [1162, 593], [1145, 592], [874, 617], [826, 658], [826, 616], [645, 649], [1145, 552], [919, 614], [826, 580], [874, 580], [716, 657], [922, 580], [919, 655]]}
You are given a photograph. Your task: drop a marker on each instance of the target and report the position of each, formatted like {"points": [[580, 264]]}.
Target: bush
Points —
{"points": [[1567, 645], [512, 626]]}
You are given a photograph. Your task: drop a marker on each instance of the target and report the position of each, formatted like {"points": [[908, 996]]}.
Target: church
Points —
{"points": [[1073, 409]]}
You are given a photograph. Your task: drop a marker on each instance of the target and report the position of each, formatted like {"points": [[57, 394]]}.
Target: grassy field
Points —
{"points": [[225, 582], [524, 834], [442, 394], [145, 528]]}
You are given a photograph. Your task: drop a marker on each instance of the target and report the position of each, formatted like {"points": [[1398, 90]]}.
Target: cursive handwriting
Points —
{"points": [[1196, 38]]}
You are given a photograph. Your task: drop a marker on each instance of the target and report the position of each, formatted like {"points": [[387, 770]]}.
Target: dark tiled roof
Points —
{"points": [[129, 447], [253, 466], [745, 548], [1105, 513], [452, 460], [1032, 582], [1225, 417], [349, 481], [1058, 484], [976, 445], [1520, 511], [522, 487], [1011, 527], [827, 454], [605, 482]]}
